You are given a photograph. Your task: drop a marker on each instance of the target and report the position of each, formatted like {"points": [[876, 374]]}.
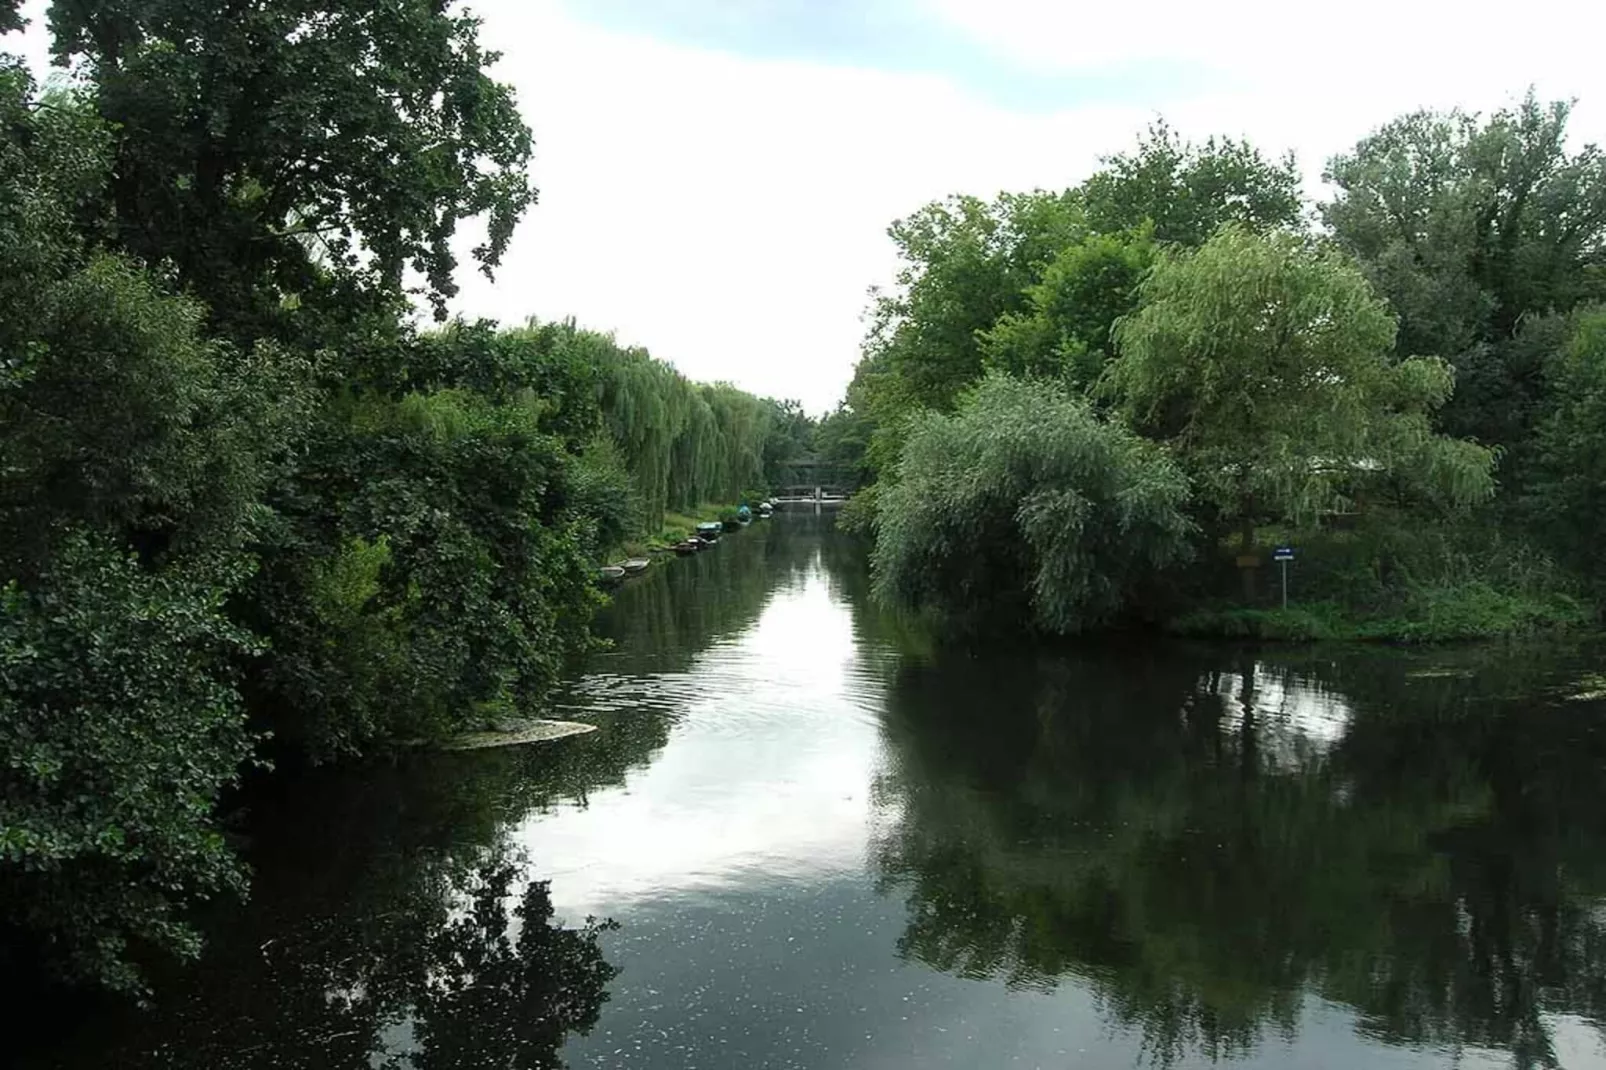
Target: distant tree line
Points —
{"points": [[249, 510]]}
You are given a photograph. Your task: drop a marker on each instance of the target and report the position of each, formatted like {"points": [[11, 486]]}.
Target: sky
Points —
{"points": [[717, 176]]}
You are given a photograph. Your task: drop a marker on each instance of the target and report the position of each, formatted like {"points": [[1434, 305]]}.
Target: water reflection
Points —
{"points": [[1207, 846], [374, 952], [772, 751], [828, 842]]}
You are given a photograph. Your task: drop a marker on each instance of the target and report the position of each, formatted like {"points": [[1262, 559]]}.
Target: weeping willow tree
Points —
{"points": [[683, 443], [1023, 507], [742, 424]]}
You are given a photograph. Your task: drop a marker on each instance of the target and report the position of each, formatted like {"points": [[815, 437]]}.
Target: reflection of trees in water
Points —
{"points": [[662, 621], [439, 963], [1146, 823], [490, 998], [876, 628], [389, 926]]}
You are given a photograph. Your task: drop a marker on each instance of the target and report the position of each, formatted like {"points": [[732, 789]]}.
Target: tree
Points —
{"points": [[1066, 330], [1473, 229], [1032, 282], [791, 435], [1022, 506], [967, 263], [281, 154], [436, 577], [1567, 501], [134, 455], [1186, 192], [842, 438], [119, 727], [1262, 360]]}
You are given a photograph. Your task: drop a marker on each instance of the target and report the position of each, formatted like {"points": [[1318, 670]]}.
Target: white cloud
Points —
{"points": [[730, 213], [724, 804], [1314, 78]]}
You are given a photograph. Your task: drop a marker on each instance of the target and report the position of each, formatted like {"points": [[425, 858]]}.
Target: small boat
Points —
{"points": [[610, 573], [744, 515], [710, 530], [765, 510], [731, 523], [636, 566], [687, 547]]}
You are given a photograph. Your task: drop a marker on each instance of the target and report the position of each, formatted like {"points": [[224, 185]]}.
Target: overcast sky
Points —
{"points": [[717, 176]]}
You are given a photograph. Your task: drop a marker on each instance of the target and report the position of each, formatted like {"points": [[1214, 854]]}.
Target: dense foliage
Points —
{"points": [[285, 150], [248, 509], [1416, 355], [1033, 283], [684, 442], [118, 727], [1262, 361], [1023, 502], [1478, 233], [1568, 494]]}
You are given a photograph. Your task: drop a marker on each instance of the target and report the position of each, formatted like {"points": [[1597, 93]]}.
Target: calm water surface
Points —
{"points": [[804, 838]]}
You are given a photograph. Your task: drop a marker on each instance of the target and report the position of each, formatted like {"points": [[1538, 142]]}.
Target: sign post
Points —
{"points": [[1282, 555]]}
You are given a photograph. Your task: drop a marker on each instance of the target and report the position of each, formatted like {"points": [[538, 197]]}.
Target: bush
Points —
{"points": [[1567, 502], [1024, 505], [858, 513], [118, 730], [1391, 582], [435, 575]]}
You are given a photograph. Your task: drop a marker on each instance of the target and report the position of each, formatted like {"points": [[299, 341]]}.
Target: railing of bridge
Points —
{"points": [[809, 478]]}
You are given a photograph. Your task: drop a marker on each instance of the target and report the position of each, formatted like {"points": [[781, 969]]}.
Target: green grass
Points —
{"points": [[1391, 580], [1468, 611], [676, 527]]}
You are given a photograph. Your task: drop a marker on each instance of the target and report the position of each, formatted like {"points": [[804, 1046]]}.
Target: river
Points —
{"points": [[804, 836]]}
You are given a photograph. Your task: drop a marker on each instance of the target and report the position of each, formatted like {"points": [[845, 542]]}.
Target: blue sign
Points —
{"points": [[1283, 553]]}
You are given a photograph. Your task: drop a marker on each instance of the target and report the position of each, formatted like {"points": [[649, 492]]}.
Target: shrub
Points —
{"points": [[118, 731], [1024, 504]]}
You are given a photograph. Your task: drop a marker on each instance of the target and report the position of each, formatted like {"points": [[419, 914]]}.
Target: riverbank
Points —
{"points": [[677, 527], [1389, 584], [1472, 613], [1040, 786]]}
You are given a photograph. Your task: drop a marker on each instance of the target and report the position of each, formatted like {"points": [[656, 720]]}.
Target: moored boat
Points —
{"points": [[710, 530], [610, 573], [636, 566], [687, 547]]}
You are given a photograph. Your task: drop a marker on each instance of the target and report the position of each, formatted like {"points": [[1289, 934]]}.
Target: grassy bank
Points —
{"points": [[1470, 612], [677, 526], [1392, 585]]}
